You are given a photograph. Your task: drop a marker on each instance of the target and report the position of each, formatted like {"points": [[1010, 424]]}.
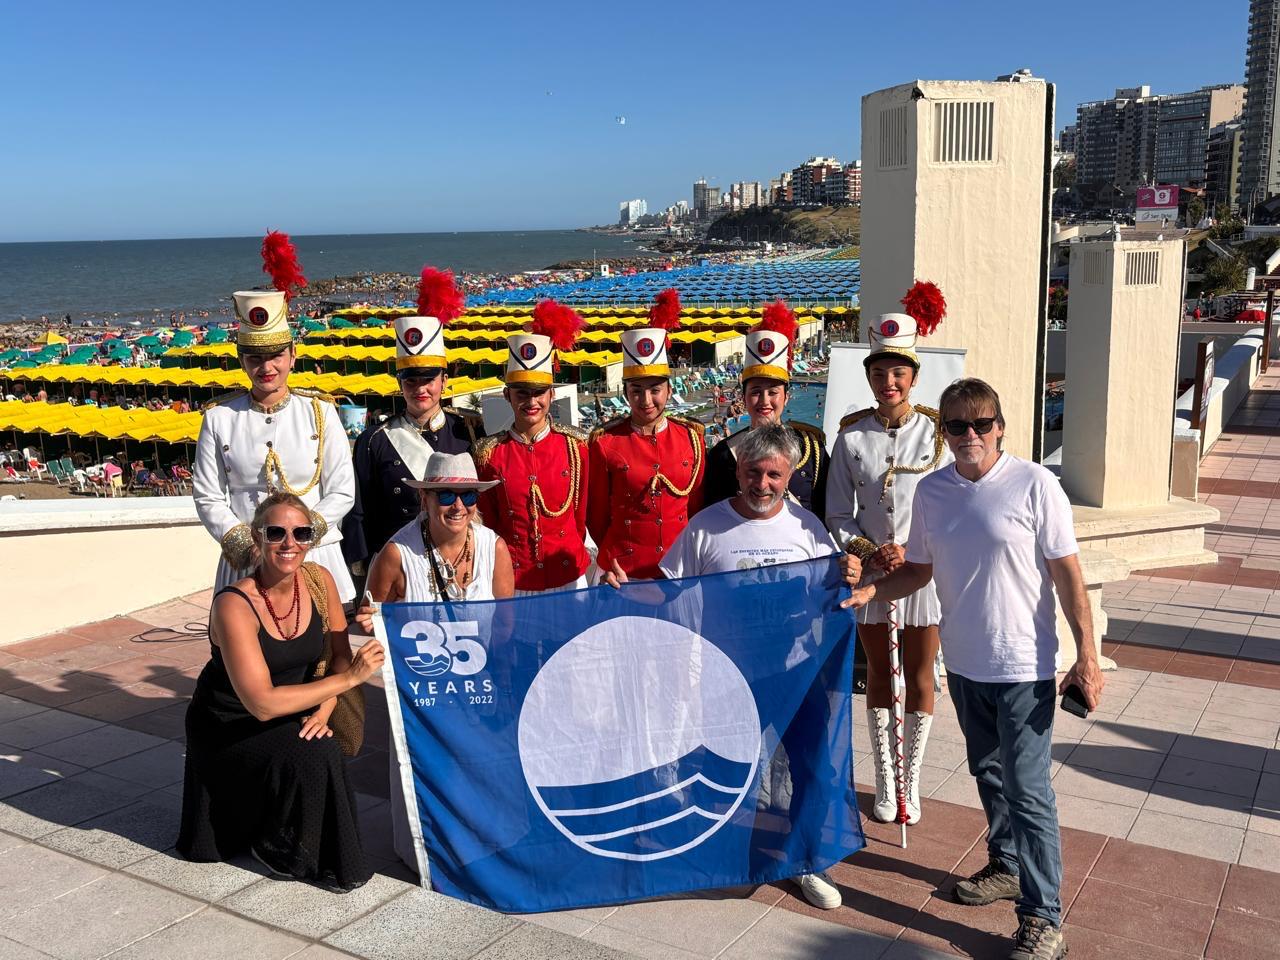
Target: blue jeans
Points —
{"points": [[1008, 734]]}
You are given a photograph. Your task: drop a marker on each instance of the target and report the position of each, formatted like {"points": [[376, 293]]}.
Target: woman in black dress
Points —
{"points": [[263, 772]]}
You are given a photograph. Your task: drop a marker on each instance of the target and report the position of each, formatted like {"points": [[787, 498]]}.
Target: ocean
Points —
{"points": [[148, 279]]}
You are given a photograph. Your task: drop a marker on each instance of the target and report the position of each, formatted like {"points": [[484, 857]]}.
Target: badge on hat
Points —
{"points": [[529, 360], [420, 344], [644, 349]]}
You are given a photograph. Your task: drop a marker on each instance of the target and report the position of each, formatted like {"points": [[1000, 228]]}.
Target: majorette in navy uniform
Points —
{"points": [[647, 468], [879, 457], [272, 437], [766, 382], [540, 507], [389, 453]]}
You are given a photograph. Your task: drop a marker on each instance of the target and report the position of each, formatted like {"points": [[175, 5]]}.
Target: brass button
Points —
{"points": [[268, 444], [889, 459], [395, 463], [226, 447], [395, 490], [539, 565]]}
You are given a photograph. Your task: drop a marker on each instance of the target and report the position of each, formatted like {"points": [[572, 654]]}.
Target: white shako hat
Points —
{"points": [[264, 321], [893, 335], [644, 353], [530, 360], [420, 344]]}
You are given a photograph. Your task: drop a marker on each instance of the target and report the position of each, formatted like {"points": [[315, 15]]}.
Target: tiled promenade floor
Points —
{"points": [[1169, 797]]}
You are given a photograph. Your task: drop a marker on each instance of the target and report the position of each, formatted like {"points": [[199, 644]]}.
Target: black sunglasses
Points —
{"points": [[276, 534], [958, 428], [468, 497]]}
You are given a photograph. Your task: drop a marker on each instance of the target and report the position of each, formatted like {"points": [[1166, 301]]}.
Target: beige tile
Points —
{"points": [[1261, 850], [1196, 837], [1096, 816]]}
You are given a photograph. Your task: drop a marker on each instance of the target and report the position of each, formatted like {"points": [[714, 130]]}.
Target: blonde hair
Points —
{"points": [[277, 498]]}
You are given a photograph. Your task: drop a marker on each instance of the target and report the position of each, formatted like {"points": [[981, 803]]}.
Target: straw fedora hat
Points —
{"points": [[448, 471]]}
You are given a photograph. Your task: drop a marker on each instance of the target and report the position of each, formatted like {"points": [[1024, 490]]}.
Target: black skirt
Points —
{"points": [[256, 786]]}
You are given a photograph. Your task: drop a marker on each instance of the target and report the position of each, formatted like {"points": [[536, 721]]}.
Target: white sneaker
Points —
{"points": [[820, 891]]}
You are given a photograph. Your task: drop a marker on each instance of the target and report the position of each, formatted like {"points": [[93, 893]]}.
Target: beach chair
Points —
{"points": [[55, 470], [11, 475], [181, 479], [68, 466], [36, 467]]}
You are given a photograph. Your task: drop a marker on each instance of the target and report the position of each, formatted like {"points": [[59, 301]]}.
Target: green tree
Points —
{"points": [[1224, 275], [1195, 211]]}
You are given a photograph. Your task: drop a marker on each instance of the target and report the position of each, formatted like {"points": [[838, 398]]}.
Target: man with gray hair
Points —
{"points": [[759, 527]]}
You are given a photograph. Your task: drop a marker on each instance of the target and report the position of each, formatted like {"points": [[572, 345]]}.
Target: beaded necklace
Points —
{"points": [[295, 609]]}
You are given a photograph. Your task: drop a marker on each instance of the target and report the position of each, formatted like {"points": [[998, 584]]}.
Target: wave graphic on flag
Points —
{"points": [[652, 813]]}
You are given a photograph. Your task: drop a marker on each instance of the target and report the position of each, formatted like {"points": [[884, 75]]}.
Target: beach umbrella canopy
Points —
{"points": [[340, 323], [310, 326], [10, 355], [183, 338], [148, 341], [216, 335], [50, 337]]}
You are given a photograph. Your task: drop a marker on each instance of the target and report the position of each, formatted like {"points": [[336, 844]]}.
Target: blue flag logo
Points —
{"points": [[598, 746]]}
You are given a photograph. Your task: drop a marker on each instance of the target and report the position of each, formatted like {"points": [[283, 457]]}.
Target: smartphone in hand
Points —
{"points": [[1074, 703]]}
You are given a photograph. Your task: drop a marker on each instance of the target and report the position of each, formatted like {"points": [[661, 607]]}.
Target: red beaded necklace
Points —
{"points": [[295, 609]]}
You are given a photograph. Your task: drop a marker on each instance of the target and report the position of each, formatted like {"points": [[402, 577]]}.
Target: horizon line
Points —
{"points": [[254, 236]]}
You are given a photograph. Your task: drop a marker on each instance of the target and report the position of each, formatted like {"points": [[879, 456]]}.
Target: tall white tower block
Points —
{"points": [[956, 190], [1123, 321]]}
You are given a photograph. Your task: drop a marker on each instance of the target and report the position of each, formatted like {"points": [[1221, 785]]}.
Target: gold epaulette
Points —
{"points": [[314, 395], [472, 419], [810, 429], [931, 413], [485, 446], [605, 428], [577, 433], [689, 422], [852, 418], [223, 398]]}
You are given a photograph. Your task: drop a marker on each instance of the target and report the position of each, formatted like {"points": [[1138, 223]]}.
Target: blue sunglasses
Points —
{"points": [[468, 497]]}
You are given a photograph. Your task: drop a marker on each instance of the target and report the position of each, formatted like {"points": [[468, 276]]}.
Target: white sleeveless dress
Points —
{"points": [[420, 587], [419, 583]]}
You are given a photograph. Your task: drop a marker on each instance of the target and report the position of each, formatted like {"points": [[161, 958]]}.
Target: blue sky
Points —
{"points": [[137, 119]]}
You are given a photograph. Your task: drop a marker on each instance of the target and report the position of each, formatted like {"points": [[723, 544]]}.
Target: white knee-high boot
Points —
{"points": [[880, 724], [916, 738]]}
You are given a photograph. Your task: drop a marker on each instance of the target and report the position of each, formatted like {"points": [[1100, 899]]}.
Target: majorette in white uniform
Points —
{"points": [[246, 451], [874, 472]]}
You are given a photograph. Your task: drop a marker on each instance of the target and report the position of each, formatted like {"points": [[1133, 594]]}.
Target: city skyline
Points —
{"points": [[149, 121]]}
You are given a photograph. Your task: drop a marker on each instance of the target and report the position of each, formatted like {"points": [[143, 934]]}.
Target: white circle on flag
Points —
{"points": [[639, 739]]}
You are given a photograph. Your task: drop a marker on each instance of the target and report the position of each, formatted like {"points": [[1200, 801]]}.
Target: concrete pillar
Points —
{"points": [[1123, 321], [956, 189]]}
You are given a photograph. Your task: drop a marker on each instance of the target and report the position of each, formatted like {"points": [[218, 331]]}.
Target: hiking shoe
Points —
{"points": [[993, 882], [820, 891], [1038, 939]]}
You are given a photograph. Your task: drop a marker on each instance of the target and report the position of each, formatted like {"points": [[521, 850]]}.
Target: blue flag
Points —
{"points": [[599, 746]]}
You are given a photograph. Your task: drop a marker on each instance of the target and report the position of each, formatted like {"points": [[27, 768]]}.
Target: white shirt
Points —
{"points": [[719, 539], [989, 542]]}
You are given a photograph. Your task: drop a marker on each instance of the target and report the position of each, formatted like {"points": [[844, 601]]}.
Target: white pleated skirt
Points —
{"points": [[920, 609], [328, 555]]}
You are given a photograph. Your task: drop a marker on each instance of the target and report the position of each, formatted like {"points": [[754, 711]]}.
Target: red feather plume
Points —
{"points": [[665, 312], [280, 261], [777, 317], [925, 304], [439, 296], [560, 323]]}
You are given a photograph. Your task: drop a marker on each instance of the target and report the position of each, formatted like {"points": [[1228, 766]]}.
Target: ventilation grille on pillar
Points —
{"points": [[1141, 268], [893, 137], [964, 131], [1095, 266]]}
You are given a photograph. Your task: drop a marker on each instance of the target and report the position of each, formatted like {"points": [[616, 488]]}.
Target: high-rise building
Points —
{"points": [[629, 211], [1137, 138], [1222, 169], [1183, 122], [808, 178], [706, 199], [844, 186], [1067, 139], [746, 194], [1115, 140], [780, 189], [1260, 149]]}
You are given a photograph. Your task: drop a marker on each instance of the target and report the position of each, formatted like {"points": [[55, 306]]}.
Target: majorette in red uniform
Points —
{"points": [[646, 468], [540, 507]]}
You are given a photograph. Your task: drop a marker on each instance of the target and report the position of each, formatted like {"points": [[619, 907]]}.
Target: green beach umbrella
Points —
{"points": [[216, 335], [340, 323]]}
